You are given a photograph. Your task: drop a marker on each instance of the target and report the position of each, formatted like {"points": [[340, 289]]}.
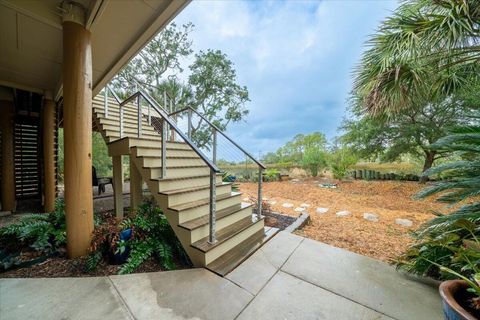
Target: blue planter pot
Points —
{"points": [[120, 258], [452, 310]]}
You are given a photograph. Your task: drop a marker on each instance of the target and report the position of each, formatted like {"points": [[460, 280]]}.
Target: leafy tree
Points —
{"points": [[412, 131], [293, 150], [163, 54], [314, 159], [216, 94], [211, 88]]}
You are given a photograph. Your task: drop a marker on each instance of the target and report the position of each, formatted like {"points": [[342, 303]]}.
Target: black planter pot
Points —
{"points": [[450, 291]]}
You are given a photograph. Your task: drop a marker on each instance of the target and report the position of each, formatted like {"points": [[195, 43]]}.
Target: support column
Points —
{"points": [[77, 113], [118, 186], [136, 196], [49, 153], [8, 165]]}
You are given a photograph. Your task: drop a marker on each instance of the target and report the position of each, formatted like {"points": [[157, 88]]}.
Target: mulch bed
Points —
{"points": [[383, 240], [63, 267], [278, 220]]}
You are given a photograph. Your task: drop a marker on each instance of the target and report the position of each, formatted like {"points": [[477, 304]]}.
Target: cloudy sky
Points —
{"points": [[295, 57]]}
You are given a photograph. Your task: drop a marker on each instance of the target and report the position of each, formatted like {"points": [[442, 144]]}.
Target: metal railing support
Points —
{"points": [[164, 149], [189, 123], [120, 119], [214, 147], [213, 208], [149, 115], [139, 109], [106, 102], [259, 206]]}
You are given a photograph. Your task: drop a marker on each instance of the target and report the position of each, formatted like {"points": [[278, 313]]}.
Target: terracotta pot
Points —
{"points": [[451, 308]]}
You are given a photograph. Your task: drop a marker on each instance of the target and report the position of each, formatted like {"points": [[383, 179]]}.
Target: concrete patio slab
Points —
{"points": [[183, 294], [60, 298], [257, 270], [287, 297], [367, 281]]}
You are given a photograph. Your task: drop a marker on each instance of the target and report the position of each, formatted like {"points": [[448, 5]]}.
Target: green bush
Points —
{"points": [[152, 238], [313, 160], [340, 161], [41, 232], [451, 240], [272, 175]]}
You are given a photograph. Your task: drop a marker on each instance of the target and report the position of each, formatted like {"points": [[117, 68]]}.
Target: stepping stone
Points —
{"points": [[304, 205], [343, 213], [265, 199], [299, 209], [246, 199], [404, 222], [272, 202], [321, 210], [370, 217], [295, 180], [287, 205]]}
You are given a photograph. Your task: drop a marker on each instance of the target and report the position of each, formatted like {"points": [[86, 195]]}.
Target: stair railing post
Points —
{"points": [[149, 115], [259, 205], [190, 123], [120, 119], [139, 108], [106, 101], [214, 147], [213, 208], [164, 148]]}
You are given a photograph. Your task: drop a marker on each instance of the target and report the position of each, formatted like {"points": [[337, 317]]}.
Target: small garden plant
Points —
{"points": [[151, 238], [146, 236]]}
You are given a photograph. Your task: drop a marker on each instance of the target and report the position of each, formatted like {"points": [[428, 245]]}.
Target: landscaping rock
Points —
{"points": [[370, 217], [343, 213], [299, 209], [321, 210], [246, 199], [295, 180], [272, 202], [404, 222], [304, 205], [328, 185], [287, 205]]}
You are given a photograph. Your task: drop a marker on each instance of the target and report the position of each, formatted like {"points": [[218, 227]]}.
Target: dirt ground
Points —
{"points": [[383, 240]]}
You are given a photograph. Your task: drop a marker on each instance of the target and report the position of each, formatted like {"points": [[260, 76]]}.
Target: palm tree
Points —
{"points": [[426, 49]]}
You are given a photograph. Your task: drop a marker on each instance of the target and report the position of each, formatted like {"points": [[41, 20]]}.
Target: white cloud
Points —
{"points": [[294, 57]]}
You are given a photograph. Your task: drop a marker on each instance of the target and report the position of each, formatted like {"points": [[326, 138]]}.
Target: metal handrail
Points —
{"points": [[261, 165], [172, 124]]}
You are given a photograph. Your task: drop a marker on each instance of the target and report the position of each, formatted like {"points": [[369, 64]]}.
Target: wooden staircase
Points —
{"points": [[184, 194]]}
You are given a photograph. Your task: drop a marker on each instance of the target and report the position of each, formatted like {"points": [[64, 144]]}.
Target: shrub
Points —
{"points": [[340, 161], [313, 160], [272, 175], [152, 238], [41, 232]]}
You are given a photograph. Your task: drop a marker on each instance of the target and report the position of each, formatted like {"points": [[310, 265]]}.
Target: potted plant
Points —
{"points": [[461, 298]]}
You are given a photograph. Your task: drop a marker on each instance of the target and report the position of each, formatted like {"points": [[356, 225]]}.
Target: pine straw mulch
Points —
{"points": [[383, 240]]}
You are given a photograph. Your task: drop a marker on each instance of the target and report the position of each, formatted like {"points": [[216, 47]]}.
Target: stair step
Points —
{"points": [[204, 220], [188, 190], [233, 258], [225, 234], [202, 202]]}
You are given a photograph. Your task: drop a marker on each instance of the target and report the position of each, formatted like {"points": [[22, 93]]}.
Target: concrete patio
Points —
{"points": [[289, 278]]}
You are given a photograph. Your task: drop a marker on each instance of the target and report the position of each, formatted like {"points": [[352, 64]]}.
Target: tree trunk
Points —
{"points": [[427, 164]]}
